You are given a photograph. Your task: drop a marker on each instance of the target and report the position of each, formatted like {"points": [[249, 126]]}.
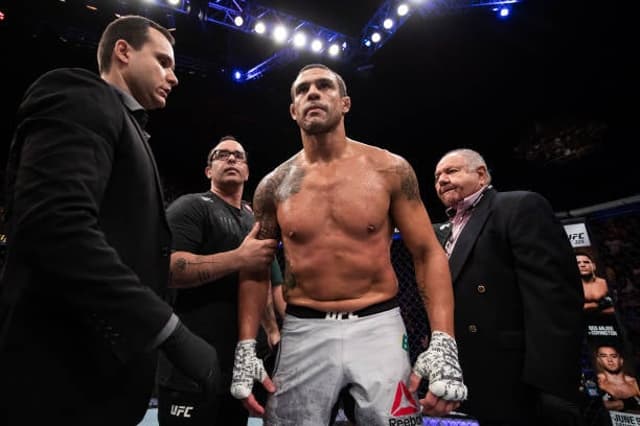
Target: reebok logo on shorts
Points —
{"points": [[403, 402]]}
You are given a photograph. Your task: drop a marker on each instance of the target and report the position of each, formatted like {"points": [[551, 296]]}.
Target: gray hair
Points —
{"points": [[472, 158]]}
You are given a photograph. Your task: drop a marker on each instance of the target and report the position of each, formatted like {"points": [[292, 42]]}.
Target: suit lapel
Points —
{"points": [[144, 139], [132, 108], [443, 231], [470, 233]]}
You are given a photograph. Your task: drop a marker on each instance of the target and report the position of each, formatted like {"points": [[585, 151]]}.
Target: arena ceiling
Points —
{"points": [[512, 89]]}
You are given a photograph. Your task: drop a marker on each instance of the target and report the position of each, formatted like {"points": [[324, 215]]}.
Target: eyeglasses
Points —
{"points": [[224, 154]]}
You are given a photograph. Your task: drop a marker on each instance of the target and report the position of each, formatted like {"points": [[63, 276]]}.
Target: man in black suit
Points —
{"points": [[518, 298], [81, 293]]}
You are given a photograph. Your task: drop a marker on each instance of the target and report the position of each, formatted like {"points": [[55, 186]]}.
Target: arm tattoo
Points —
{"points": [[181, 264], [289, 279], [409, 182], [269, 313], [204, 276], [421, 291], [277, 186], [264, 208]]}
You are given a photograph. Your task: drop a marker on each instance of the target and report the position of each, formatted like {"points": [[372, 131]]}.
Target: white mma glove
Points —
{"points": [[247, 368], [439, 363]]}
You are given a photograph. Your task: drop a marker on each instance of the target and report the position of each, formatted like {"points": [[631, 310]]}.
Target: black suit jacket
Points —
{"points": [[518, 306], [87, 262]]}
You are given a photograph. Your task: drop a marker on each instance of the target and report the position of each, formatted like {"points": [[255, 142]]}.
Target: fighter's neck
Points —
{"points": [[325, 147]]}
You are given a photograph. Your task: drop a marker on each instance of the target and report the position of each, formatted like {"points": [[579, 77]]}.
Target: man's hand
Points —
{"points": [[255, 253], [439, 363], [194, 357], [248, 368]]}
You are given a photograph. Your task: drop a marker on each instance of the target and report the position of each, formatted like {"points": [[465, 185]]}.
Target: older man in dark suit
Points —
{"points": [[81, 307], [518, 298]]}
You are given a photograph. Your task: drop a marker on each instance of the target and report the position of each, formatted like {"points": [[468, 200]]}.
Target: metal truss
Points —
{"points": [[389, 9], [224, 12], [243, 15]]}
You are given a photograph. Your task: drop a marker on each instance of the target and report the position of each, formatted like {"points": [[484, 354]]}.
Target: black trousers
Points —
{"points": [[179, 408], [550, 410]]}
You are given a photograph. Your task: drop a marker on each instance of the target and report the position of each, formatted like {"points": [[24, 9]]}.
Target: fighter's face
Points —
{"points": [[318, 106], [609, 359], [585, 265]]}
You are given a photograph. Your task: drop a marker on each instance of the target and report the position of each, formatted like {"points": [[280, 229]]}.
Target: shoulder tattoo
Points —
{"points": [[289, 180], [283, 182]]}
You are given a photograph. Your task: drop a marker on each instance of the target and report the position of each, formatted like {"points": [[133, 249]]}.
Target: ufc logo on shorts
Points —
{"points": [[340, 315], [181, 410]]}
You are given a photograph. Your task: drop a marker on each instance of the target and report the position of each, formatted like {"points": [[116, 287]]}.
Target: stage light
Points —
{"points": [[253, 18], [316, 45], [300, 39], [280, 34], [1, 16], [260, 27], [503, 12]]}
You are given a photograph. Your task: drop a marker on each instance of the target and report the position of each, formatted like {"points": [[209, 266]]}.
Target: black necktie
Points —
{"points": [[450, 212]]}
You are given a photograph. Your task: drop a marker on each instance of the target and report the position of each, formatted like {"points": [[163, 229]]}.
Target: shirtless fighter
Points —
{"points": [[596, 290], [334, 205], [620, 390]]}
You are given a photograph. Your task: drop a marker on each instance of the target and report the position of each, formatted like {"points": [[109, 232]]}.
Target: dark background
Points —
{"points": [[555, 73]]}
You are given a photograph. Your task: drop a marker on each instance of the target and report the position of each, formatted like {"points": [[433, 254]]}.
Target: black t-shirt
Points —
{"points": [[205, 224]]}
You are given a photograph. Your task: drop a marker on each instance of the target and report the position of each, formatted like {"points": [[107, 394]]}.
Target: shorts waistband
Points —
{"points": [[305, 312]]}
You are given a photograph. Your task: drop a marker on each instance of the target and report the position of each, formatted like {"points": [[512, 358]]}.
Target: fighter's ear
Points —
{"points": [[292, 111], [346, 104]]}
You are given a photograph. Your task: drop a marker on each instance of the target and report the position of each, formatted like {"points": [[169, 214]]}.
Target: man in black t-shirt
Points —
{"points": [[214, 236]]}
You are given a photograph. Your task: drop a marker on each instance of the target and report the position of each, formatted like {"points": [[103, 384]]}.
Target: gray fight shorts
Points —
{"points": [[323, 353]]}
